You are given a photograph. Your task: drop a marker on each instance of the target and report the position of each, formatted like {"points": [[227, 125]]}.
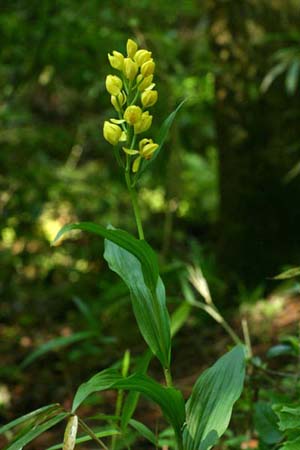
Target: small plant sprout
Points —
{"points": [[197, 422]]}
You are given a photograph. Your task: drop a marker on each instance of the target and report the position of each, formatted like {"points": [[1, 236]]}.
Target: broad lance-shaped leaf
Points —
{"points": [[209, 407], [149, 307], [170, 400], [139, 248]]}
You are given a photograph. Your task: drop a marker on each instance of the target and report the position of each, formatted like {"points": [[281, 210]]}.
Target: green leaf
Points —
{"points": [[92, 321], [139, 248], [179, 317], [277, 70], [291, 445], [132, 398], [144, 431], [292, 77], [265, 422], [170, 400], [162, 136], [290, 273], [34, 432], [289, 418], [280, 349], [149, 307], [55, 344], [210, 405], [37, 414], [100, 434]]}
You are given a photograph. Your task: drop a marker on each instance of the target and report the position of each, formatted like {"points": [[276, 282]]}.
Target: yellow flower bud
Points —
{"points": [[142, 56], [132, 114], [131, 48], [148, 68], [113, 84], [136, 164], [116, 60], [147, 148], [130, 68], [118, 101], [144, 83], [112, 132], [149, 98], [144, 123]]}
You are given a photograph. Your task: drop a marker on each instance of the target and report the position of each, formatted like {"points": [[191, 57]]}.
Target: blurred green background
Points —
{"points": [[224, 192]]}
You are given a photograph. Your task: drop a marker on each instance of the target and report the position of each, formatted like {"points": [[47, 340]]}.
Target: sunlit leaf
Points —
{"points": [[291, 444], [149, 307], [210, 405], [289, 417], [290, 273], [139, 248]]}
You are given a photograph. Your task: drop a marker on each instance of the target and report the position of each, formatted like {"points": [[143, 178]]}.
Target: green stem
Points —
{"points": [[90, 432], [168, 377], [135, 205]]}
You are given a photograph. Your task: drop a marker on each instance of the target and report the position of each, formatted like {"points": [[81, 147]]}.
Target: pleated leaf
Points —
{"points": [[209, 407], [170, 400], [32, 416], [139, 248], [149, 306], [33, 432]]}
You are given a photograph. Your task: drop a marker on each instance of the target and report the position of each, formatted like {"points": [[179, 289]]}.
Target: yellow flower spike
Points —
{"points": [[113, 84], [144, 83], [142, 56], [112, 132], [130, 69], [144, 123], [131, 48], [116, 60], [132, 114], [148, 68], [136, 164], [149, 98], [118, 101]]}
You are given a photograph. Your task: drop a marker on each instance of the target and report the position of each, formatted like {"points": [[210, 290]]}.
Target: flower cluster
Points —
{"points": [[132, 92]]}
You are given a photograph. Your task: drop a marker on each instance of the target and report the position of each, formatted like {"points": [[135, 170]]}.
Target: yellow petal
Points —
{"points": [[130, 151]]}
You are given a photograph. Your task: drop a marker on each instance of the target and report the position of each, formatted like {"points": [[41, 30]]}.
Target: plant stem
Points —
{"points": [[90, 432], [168, 377], [135, 205], [117, 413]]}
